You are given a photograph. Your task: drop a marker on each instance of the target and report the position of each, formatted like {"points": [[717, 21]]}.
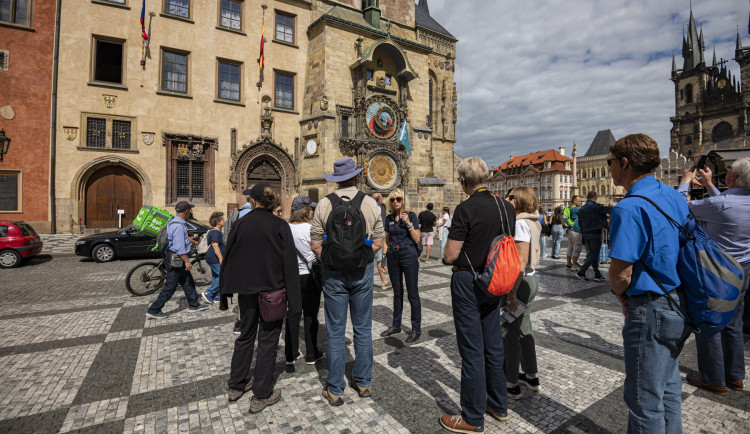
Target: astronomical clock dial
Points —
{"points": [[721, 84], [382, 171], [382, 118], [312, 146]]}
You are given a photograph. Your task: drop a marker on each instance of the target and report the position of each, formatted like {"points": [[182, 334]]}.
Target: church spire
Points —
{"points": [[714, 63], [674, 64], [692, 51], [423, 5]]}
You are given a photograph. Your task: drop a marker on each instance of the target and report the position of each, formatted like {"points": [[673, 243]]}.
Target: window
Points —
{"points": [[231, 14], [4, 55], [284, 91], [190, 169], [180, 8], [284, 28], [689, 93], [721, 132], [108, 132], [174, 72], [3, 229], [369, 75], [229, 81], [108, 61], [15, 12], [344, 126], [388, 79], [10, 190]]}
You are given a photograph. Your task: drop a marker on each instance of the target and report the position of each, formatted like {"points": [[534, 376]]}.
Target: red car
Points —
{"points": [[18, 240]]}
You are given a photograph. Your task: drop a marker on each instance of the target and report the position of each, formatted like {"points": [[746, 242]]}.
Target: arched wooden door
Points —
{"points": [[109, 189], [264, 172]]}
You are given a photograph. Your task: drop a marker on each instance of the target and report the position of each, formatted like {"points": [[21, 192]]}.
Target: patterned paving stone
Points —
{"points": [[52, 327]]}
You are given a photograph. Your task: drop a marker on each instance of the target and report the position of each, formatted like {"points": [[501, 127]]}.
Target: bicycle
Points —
{"points": [[148, 277]]}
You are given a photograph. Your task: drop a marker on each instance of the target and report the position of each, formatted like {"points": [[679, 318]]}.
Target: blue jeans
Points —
{"points": [[722, 356], [352, 290], [175, 276], [212, 293], [542, 247], [405, 263], [480, 343], [557, 236], [593, 242], [653, 336]]}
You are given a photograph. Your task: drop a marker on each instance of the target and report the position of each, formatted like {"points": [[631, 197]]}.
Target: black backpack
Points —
{"points": [[346, 230]]}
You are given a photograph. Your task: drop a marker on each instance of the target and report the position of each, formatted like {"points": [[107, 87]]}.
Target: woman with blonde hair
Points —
{"points": [[401, 237], [518, 337]]}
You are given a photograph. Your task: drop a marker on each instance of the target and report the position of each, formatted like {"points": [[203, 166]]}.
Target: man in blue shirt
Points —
{"points": [[654, 331], [725, 217], [247, 207], [178, 265]]}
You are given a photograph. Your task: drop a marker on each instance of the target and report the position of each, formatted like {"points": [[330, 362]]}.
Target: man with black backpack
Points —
{"points": [[346, 232], [644, 277]]}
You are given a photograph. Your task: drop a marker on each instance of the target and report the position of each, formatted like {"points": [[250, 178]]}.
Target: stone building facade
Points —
{"points": [[592, 173], [548, 173], [26, 58], [711, 107], [192, 116]]}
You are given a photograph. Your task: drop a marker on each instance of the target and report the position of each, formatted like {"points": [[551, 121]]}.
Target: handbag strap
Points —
{"points": [[670, 299], [680, 227], [505, 228], [302, 258]]}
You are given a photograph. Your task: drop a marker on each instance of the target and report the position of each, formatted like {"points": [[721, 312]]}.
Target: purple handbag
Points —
{"points": [[272, 305]]}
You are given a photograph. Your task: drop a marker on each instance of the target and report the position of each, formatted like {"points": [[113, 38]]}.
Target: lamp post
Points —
{"points": [[4, 144]]}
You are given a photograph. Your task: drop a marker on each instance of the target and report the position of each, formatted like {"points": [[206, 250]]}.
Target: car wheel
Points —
{"points": [[103, 253], [9, 258]]}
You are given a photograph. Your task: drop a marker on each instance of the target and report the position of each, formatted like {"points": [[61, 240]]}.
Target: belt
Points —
{"points": [[460, 268], [396, 249], [654, 295]]}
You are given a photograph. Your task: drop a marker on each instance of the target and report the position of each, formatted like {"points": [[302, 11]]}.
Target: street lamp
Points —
{"points": [[4, 144]]}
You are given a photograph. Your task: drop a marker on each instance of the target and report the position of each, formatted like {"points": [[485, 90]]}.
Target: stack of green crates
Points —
{"points": [[150, 219]]}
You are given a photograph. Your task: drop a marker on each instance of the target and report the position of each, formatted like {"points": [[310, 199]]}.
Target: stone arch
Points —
{"points": [[78, 185], [398, 55], [722, 131], [252, 154]]}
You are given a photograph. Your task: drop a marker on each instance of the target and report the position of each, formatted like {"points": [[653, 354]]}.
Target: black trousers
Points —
{"points": [[405, 263], [268, 334], [311, 290]]}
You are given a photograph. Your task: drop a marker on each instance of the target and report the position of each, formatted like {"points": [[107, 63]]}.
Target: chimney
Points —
{"points": [[561, 150]]}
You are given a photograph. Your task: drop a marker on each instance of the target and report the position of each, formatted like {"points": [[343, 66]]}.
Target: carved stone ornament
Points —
{"points": [[381, 82], [70, 133], [109, 101], [324, 103], [420, 134], [148, 138], [315, 123], [309, 125], [266, 121], [252, 154]]}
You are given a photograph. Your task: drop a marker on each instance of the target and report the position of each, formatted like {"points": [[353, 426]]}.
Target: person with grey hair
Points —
{"points": [[725, 217]]}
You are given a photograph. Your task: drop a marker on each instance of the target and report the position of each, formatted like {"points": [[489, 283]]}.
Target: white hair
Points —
{"points": [[742, 168], [474, 171]]}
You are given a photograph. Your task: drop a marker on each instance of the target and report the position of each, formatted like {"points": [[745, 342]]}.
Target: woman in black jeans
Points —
{"points": [[259, 258], [401, 236]]}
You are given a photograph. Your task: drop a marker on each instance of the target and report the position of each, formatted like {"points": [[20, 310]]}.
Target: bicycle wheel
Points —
{"points": [[201, 272], [145, 278]]}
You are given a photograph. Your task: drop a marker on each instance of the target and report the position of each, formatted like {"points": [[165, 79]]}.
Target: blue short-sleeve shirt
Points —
{"points": [[639, 232], [399, 236]]}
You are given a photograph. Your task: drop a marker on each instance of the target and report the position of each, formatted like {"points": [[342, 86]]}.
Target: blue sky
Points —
{"points": [[535, 75]]}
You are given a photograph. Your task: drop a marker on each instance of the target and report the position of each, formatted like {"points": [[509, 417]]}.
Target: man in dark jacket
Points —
{"points": [[592, 218], [260, 257]]}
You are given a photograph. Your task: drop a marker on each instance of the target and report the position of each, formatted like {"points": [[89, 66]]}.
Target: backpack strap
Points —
{"points": [[671, 220]]}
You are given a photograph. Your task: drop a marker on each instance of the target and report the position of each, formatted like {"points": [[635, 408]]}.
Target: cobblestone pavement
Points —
{"points": [[79, 355]]}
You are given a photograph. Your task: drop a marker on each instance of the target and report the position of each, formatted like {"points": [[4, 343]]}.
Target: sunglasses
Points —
{"points": [[510, 197], [396, 199], [278, 212], [460, 180], [610, 160]]}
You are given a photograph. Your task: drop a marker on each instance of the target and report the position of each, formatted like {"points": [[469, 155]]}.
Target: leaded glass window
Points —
{"points": [[183, 178], [231, 14], [196, 179], [120, 134], [229, 81], [284, 91], [174, 72], [180, 8], [15, 12], [96, 133], [284, 28]]}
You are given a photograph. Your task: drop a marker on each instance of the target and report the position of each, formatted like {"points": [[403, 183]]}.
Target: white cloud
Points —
{"points": [[535, 75]]}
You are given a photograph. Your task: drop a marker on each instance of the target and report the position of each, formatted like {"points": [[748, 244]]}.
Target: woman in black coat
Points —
{"points": [[259, 257]]}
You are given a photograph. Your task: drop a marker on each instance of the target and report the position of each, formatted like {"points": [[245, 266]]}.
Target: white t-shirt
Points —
{"points": [[301, 235], [447, 219], [523, 234]]}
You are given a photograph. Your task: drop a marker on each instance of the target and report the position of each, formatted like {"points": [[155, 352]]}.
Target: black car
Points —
{"points": [[126, 243]]}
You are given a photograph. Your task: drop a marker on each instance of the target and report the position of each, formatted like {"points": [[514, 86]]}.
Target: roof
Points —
{"points": [[357, 19], [423, 19], [600, 144], [536, 158]]}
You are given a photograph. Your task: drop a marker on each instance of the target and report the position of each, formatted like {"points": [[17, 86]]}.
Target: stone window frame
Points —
{"points": [[171, 141], [19, 186], [109, 119], [220, 8], [95, 38], [188, 82], [219, 62], [293, 17], [4, 60], [293, 76], [29, 15]]}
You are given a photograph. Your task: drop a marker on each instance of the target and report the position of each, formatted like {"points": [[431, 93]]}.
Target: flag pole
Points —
{"points": [[262, 42]]}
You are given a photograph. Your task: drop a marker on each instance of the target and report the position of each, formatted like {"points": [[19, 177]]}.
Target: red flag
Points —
{"points": [[143, 20], [262, 40]]}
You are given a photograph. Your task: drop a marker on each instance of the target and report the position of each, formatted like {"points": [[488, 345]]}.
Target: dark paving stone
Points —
{"points": [[113, 427], [176, 396], [545, 303], [129, 318], [57, 312], [47, 422], [587, 353], [603, 306], [609, 414], [111, 374], [51, 345]]}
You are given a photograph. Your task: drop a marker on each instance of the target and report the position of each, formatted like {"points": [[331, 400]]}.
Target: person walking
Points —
{"points": [[476, 221], [309, 283], [592, 220], [346, 217], [518, 336], [178, 265], [259, 258], [427, 223], [445, 224], [545, 231], [575, 241], [214, 255], [645, 244], [379, 255], [557, 231], [725, 218], [401, 235]]}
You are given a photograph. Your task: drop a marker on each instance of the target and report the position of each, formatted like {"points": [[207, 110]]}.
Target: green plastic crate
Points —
{"points": [[158, 219], [142, 218]]}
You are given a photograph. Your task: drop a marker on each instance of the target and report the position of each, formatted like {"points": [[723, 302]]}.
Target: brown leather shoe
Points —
{"points": [[735, 384], [697, 381], [455, 423]]}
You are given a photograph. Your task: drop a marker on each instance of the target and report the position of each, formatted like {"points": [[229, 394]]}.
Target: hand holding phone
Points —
{"points": [[701, 162]]}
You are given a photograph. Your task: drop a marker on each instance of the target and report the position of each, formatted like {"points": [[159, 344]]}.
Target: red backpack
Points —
{"points": [[503, 264]]}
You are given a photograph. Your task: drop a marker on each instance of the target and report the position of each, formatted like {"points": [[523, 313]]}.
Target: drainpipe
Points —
{"points": [[53, 123]]}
